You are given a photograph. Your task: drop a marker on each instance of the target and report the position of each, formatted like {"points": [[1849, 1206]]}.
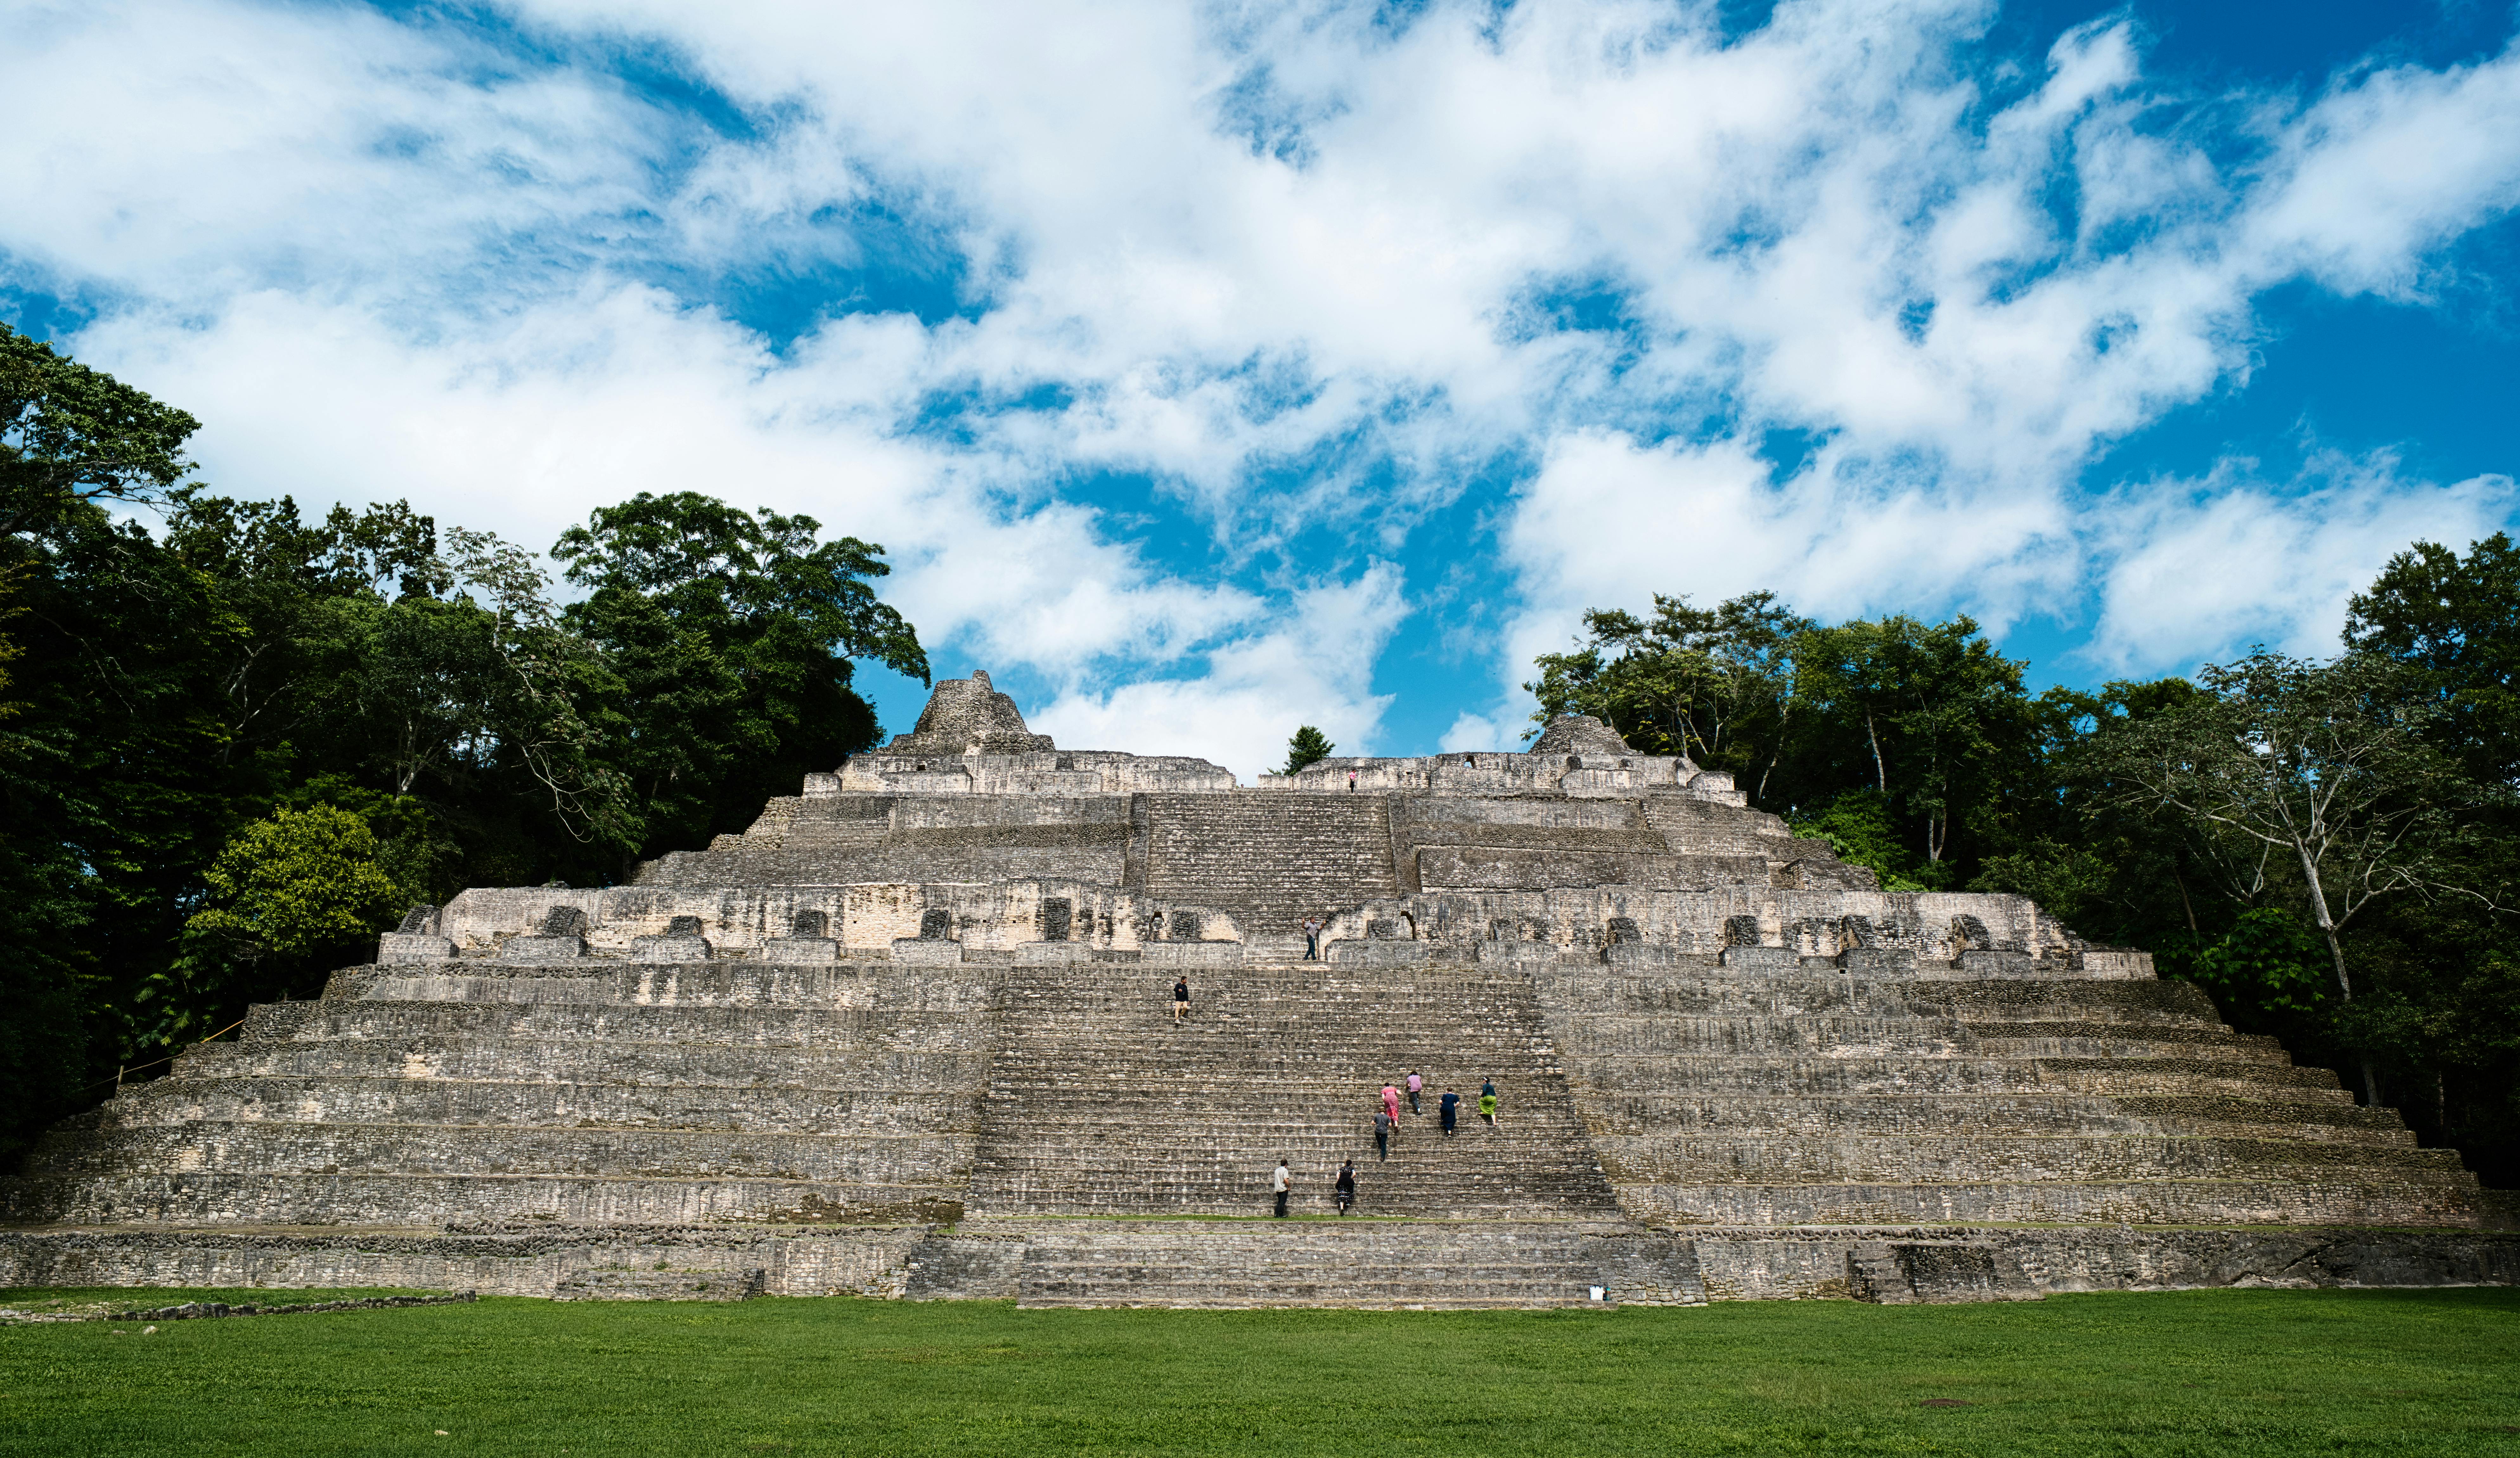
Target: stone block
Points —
{"points": [[1878, 961], [542, 948], [926, 952], [800, 949], [2117, 963], [1192, 954], [1771, 959], [563, 921], [670, 949], [1641, 954], [1983, 963], [399, 946], [1047, 954], [1937, 1272], [1370, 953], [1516, 953]]}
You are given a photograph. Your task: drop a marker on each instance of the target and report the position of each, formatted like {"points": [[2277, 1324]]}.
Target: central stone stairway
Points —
{"points": [[1099, 1106], [1268, 859]]}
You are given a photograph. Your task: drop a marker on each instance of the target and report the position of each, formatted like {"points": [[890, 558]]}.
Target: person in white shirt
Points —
{"points": [[1282, 1184]]}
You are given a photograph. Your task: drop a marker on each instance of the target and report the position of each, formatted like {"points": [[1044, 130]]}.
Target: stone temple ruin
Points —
{"points": [[907, 1036]]}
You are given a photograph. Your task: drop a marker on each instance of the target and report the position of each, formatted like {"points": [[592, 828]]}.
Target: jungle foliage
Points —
{"points": [[235, 740], [2331, 848]]}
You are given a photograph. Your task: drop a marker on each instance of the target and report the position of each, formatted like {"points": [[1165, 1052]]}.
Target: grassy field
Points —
{"points": [[2205, 1373]]}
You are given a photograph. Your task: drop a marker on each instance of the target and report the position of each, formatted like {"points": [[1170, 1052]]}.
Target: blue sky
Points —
{"points": [[1214, 368]]}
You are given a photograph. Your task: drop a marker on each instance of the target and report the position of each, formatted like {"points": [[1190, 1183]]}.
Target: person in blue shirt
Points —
{"points": [[1452, 1111]]}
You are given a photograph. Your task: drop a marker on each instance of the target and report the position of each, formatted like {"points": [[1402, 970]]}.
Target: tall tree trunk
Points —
{"points": [[1784, 716], [2185, 903], [1881, 770], [2336, 951]]}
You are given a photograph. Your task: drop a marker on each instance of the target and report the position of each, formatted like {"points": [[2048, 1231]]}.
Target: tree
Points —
{"points": [[1711, 685], [72, 436], [732, 636], [2268, 959], [1943, 719], [2324, 766], [289, 897], [2454, 624], [1307, 747]]}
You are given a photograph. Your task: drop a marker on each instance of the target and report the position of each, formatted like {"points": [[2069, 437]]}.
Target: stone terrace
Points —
{"points": [[909, 1037]]}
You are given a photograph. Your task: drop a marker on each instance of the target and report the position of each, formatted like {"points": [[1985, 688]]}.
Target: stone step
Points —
{"points": [[615, 1024], [1891, 1113], [1980, 1158], [1604, 991], [759, 1109], [1690, 1037], [715, 983], [1494, 1200], [367, 1198], [2060, 1044], [243, 1149], [2401, 1199], [698, 1066], [1416, 1266], [1976, 1072]]}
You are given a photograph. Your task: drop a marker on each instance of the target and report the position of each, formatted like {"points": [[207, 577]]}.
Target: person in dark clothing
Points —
{"points": [[1346, 1186], [1381, 1133], [1488, 1102], [1181, 999], [1452, 1111]]}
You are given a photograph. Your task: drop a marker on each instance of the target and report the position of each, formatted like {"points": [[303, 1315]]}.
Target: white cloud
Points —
{"points": [[1315, 667], [1273, 257], [2201, 570]]}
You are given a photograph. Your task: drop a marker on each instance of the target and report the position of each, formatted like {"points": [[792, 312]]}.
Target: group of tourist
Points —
{"points": [[1386, 1112], [1387, 1122]]}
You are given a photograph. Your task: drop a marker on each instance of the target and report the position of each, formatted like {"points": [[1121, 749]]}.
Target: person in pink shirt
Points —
{"points": [[1391, 1104], [1416, 1086]]}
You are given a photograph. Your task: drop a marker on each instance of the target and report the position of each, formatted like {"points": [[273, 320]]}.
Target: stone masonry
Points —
{"points": [[909, 1036]]}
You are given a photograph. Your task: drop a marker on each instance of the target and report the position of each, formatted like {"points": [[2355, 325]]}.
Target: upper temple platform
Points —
{"points": [[972, 740]]}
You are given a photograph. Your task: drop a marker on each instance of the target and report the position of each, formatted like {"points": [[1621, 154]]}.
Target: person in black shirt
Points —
{"points": [[1452, 1111], [1346, 1186], [1181, 999]]}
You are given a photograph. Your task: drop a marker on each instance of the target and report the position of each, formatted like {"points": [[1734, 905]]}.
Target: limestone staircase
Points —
{"points": [[1831, 1100], [594, 1093], [1267, 858], [1415, 1265], [1099, 1105]]}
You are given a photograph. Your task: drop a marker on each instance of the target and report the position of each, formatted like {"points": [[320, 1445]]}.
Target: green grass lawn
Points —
{"points": [[2206, 1373]]}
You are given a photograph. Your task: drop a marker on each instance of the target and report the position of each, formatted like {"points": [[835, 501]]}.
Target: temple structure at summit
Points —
{"points": [[909, 1036]]}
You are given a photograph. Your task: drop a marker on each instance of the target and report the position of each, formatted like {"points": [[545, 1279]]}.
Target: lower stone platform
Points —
{"points": [[1329, 1263]]}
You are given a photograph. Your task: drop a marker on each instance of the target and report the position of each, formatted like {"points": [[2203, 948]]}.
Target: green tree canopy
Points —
{"points": [[2453, 622], [70, 436], [1309, 746], [732, 636]]}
